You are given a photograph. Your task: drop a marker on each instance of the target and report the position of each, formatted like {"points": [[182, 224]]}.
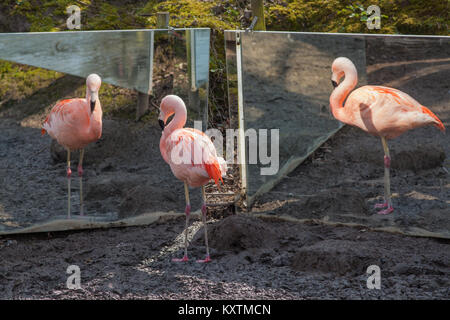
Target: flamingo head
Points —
{"points": [[340, 67], [169, 105], [93, 83]]}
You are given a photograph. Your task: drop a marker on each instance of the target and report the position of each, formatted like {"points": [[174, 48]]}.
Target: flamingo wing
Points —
{"points": [[387, 111], [68, 112], [195, 150], [384, 97], [409, 104]]}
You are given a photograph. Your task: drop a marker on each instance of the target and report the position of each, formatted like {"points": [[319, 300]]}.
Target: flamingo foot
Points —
{"points": [[184, 259], [386, 211], [207, 259], [381, 205]]}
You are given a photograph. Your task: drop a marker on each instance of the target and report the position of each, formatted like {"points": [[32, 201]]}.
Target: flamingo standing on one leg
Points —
{"points": [[381, 111], [75, 123], [191, 156]]}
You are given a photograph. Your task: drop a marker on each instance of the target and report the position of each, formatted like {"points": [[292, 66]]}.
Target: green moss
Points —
{"points": [[18, 81], [404, 16], [192, 14], [104, 16]]}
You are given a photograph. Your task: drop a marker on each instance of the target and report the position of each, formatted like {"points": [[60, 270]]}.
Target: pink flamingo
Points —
{"points": [[380, 111], [191, 156], [75, 123]]}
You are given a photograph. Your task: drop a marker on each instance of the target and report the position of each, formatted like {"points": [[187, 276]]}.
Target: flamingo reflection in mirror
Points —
{"points": [[75, 123], [191, 156], [380, 111]]}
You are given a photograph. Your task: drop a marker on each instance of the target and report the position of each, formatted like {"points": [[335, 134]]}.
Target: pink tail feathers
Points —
{"points": [[217, 170]]}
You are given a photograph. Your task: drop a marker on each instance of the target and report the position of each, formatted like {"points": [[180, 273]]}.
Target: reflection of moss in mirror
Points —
{"points": [[19, 81], [29, 90], [202, 93]]}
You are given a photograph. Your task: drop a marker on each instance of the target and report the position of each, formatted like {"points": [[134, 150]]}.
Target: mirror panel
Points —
{"points": [[285, 79], [125, 179]]}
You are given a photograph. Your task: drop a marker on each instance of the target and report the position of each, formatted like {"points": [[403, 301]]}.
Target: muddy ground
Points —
{"points": [[252, 259], [117, 179]]}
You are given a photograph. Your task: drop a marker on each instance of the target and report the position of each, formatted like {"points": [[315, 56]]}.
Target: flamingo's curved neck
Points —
{"points": [[341, 92], [178, 121]]}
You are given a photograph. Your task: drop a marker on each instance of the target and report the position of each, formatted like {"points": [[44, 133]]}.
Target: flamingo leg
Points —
{"points": [[80, 174], [69, 173], [207, 258], [387, 181], [188, 212]]}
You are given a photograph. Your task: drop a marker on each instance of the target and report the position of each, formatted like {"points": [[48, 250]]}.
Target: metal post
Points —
{"points": [[258, 11], [162, 20]]}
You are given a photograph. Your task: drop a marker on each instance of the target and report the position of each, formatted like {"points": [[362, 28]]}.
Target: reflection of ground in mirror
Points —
{"points": [[125, 175], [286, 86], [342, 181]]}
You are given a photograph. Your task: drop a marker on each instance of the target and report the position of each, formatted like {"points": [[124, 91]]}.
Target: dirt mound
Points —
{"points": [[240, 232], [421, 158], [337, 200], [336, 256]]}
